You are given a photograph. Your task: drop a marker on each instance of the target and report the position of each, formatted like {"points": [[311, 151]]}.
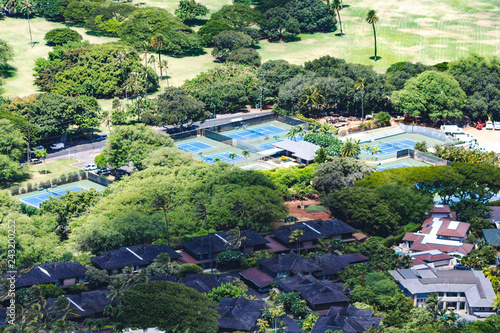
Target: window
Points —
{"points": [[440, 294], [462, 294], [452, 294]]}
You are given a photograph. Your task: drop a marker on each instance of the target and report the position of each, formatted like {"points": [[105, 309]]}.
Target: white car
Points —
{"points": [[36, 148], [489, 125], [90, 167], [496, 125], [57, 146]]}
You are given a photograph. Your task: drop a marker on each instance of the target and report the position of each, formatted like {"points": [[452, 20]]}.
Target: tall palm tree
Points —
{"points": [[145, 47], [121, 58], [158, 43], [26, 6], [236, 239], [372, 18], [246, 154], [202, 213], [163, 202], [337, 7], [350, 148], [232, 156], [164, 64], [239, 210], [106, 118], [292, 133], [312, 97], [152, 60], [360, 85], [42, 154]]}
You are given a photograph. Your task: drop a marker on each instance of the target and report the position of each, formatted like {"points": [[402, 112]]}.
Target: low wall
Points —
{"points": [[425, 131], [98, 179]]}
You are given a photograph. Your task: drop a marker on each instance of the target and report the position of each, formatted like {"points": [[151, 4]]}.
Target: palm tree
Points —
{"points": [[26, 6], [337, 7], [164, 64], [325, 128], [145, 47], [121, 57], [246, 154], [202, 213], [360, 85], [42, 154], [152, 60], [350, 148], [312, 97], [236, 239], [239, 210], [162, 202], [372, 18], [106, 118], [232, 156], [301, 131], [292, 133], [158, 42], [295, 237]]}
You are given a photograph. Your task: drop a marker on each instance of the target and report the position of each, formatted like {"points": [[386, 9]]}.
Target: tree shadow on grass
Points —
{"points": [[378, 58], [338, 34], [7, 71]]}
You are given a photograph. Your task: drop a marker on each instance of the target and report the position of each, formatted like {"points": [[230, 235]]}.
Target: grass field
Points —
{"points": [[424, 31], [54, 170]]}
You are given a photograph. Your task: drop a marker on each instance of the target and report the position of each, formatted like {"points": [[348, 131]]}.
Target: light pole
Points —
{"points": [[214, 115]]}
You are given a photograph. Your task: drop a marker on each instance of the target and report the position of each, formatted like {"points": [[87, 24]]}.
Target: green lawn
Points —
{"points": [[54, 170], [315, 208]]}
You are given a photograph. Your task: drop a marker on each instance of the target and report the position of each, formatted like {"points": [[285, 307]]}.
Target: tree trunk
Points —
{"points": [[362, 109], [375, 39], [340, 22], [146, 75], [166, 223], [29, 27], [161, 67]]}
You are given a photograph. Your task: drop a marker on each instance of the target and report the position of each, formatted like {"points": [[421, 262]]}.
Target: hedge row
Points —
{"points": [[63, 179]]}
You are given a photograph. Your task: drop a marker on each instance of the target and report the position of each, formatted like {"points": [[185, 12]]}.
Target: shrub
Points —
{"points": [[97, 278], [226, 257], [245, 56], [63, 178], [62, 36], [186, 269], [78, 288], [14, 190], [383, 118], [55, 181], [30, 187], [83, 174], [23, 190]]}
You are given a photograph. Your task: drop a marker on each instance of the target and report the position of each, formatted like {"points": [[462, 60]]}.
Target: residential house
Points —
{"points": [[464, 290], [288, 264], [331, 264], [239, 314], [303, 151], [430, 259], [137, 256], [90, 304], [203, 250], [347, 319], [257, 279], [440, 233], [312, 231], [62, 274], [206, 282], [492, 237], [494, 216], [319, 295]]}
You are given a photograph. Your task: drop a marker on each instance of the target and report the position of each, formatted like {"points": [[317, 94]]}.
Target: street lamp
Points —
{"points": [[214, 114]]}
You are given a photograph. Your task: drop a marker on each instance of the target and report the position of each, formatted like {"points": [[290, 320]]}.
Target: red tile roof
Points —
{"points": [[274, 245], [257, 277], [431, 258], [359, 236], [411, 237], [418, 246], [441, 209], [186, 258], [460, 231]]}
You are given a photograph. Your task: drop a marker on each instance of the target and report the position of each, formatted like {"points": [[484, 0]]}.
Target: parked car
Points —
{"points": [[101, 137], [103, 171], [462, 268], [90, 167], [57, 146], [37, 148], [496, 125], [489, 125], [36, 161]]}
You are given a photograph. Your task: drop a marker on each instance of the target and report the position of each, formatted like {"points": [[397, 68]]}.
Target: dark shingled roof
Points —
{"points": [[170, 278], [313, 291], [332, 264], [86, 304], [138, 255], [50, 273], [200, 245], [289, 262], [239, 314], [205, 282], [314, 230], [346, 319], [257, 277], [492, 236]]}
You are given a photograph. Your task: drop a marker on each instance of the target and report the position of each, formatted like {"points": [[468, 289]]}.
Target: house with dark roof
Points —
{"points": [[347, 319], [459, 289], [239, 314], [492, 237], [62, 274], [257, 279], [319, 295], [494, 216], [204, 249], [314, 230], [137, 256], [90, 304], [331, 264], [206, 282], [288, 264]]}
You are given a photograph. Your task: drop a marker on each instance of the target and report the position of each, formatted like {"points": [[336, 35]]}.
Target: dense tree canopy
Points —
{"points": [[62, 36], [237, 16], [93, 70], [194, 192], [169, 305], [189, 9], [432, 94], [279, 24], [176, 107], [108, 17]]}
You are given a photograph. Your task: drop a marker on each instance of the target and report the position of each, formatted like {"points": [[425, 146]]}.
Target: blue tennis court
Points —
{"points": [[395, 166], [269, 145], [194, 146], [37, 199], [224, 157], [394, 146], [255, 133]]}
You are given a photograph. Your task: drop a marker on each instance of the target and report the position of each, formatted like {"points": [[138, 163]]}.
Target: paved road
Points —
{"points": [[86, 152]]}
